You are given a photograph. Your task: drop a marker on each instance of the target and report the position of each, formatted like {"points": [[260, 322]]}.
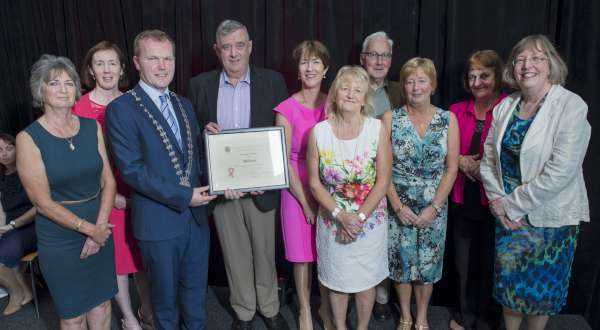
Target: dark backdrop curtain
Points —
{"points": [[445, 31]]}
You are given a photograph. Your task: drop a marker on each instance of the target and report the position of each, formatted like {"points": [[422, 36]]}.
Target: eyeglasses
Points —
{"points": [[535, 60], [375, 55]]}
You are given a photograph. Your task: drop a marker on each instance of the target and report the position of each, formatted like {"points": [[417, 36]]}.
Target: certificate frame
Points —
{"points": [[235, 161]]}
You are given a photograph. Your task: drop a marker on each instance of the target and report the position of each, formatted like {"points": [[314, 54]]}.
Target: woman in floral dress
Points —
{"points": [[425, 144], [349, 159]]}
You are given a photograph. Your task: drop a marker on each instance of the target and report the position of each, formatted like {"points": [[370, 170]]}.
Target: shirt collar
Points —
{"points": [[383, 85], [153, 92], [224, 79]]}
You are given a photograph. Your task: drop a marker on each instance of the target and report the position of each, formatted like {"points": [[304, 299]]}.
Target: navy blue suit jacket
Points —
{"points": [[160, 204]]}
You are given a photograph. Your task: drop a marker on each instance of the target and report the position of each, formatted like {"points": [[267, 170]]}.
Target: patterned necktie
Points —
{"points": [[169, 117]]}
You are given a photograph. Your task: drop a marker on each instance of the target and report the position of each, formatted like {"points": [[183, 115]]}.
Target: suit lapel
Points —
{"points": [[212, 93], [506, 115], [182, 129], [159, 117], [540, 123]]}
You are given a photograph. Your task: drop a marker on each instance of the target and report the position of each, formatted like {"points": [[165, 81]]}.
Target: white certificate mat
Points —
{"points": [[247, 160]]}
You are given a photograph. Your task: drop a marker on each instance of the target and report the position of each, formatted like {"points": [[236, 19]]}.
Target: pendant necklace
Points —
{"points": [[71, 145], [68, 139]]}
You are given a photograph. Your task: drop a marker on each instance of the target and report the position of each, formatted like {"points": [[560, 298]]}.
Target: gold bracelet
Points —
{"points": [[399, 208], [79, 224]]}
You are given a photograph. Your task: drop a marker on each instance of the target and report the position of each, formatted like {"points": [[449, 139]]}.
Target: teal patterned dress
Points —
{"points": [[533, 264], [417, 254], [76, 285]]}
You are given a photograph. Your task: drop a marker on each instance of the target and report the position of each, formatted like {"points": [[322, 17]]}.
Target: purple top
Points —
{"points": [[233, 102]]}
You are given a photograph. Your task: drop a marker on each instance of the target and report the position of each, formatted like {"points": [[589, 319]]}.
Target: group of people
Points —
{"points": [[371, 166]]}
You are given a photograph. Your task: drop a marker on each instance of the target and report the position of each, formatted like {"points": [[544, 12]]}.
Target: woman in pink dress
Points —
{"points": [[298, 114], [103, 70]]}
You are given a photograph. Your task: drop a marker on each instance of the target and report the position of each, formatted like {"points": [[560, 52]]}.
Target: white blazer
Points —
{"points": [[553, 192]]}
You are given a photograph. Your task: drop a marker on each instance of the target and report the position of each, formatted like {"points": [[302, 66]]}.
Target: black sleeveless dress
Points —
{"points": [[76, 285]]}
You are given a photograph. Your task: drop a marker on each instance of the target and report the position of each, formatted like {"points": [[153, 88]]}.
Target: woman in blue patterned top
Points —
{"points": [[425, 147], [532, 174]]}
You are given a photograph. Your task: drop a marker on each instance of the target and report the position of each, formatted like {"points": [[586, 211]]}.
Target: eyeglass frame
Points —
{"points": [[534, 60], [376, 55]]}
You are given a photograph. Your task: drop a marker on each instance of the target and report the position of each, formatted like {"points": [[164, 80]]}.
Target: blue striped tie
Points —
{"points": [[169, 117]]}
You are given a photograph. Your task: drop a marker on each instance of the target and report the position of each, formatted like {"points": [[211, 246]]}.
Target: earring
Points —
{"points": [[324, 76], [93, 77]]}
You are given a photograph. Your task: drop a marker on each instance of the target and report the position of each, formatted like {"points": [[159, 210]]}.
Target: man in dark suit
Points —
{"points": [[243, 96], [154, 138]]}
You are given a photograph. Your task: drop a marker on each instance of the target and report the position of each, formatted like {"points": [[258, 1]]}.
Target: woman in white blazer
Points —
{"points": [[532, 173]]}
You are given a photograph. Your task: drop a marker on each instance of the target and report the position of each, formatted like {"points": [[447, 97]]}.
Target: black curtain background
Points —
{"points": [[445, 31]]}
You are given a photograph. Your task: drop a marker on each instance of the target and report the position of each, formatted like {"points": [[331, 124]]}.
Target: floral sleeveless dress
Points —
{"points": [[347, 170], [417, 254]]}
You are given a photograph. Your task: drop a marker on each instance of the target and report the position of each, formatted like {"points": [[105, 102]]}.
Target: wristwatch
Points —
{"points": [[437, 209], [13, 224], [335, 212], [362, 217]]}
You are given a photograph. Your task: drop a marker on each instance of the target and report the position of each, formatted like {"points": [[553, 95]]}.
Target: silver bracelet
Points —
{"points": [[335, 212]]}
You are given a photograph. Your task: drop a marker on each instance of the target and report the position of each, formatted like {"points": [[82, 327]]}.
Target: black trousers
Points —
{"points": [[472, 232]]}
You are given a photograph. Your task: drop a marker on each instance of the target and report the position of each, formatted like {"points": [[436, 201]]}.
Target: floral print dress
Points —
{"points": [[417, 254], [347, 170]]}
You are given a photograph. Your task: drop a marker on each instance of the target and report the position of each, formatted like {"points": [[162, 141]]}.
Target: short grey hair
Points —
{"points": [[228, 26], [376, 35], [46, 68], [558, 68]]}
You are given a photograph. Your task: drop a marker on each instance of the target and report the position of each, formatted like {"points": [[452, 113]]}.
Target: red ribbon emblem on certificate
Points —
{"points": [[230, 171]]}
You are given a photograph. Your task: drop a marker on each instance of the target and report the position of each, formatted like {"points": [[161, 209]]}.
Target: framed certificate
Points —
{"points": [[247, 159]]}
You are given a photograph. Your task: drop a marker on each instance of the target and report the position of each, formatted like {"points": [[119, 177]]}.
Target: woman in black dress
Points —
{"points": [[17, 231]]}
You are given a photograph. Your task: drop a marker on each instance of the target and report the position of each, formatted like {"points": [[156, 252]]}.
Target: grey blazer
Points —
{"points": [[553, 192]]}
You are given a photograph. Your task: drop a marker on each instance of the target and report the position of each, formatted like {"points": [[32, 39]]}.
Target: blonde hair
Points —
{"points": [[343, 75], [411, 67], [156, 35], [541, 43]]}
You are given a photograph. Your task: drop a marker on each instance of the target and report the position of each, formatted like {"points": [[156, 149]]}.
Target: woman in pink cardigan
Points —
{"points": [[472, 229]]}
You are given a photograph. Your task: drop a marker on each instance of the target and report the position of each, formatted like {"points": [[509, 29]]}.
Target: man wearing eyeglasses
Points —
{"points": [[376, 58], [243, 96]]}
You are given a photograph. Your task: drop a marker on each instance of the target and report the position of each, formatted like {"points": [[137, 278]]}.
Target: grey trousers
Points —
{"points": [[247, 238]]}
